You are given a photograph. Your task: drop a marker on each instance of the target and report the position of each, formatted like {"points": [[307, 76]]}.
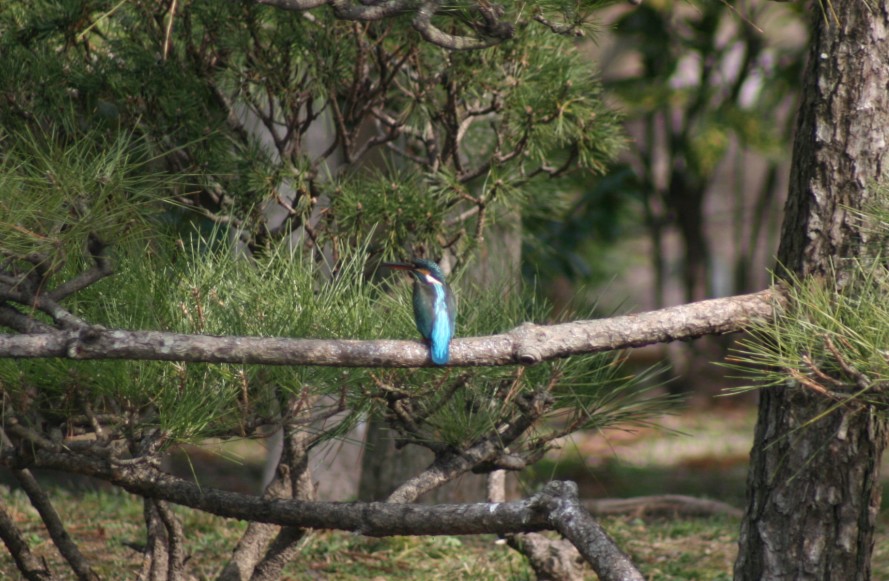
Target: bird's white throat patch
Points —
{"points": [[431, 280]]}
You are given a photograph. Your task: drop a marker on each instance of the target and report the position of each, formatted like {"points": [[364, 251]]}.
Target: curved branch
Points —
{"points": [[555, 508], [447, 467], [345, 10], [525, 345], [497, 30], [101, 269], [569, 518], [44, 304], [423, 24]]}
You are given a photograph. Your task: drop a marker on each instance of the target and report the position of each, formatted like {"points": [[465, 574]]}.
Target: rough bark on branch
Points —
{"points": [[496, 29], [525, 345], [551, 559], [570, 518], [555, 508]]}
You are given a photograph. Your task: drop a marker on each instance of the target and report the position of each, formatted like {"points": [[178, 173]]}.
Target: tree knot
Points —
{"points": [[527, 341]]}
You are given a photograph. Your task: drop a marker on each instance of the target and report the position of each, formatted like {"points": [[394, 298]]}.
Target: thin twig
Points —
{"points": [[861, 380]]}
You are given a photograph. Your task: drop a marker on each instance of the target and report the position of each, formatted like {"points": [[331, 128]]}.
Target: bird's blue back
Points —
{"points": [[434, 311]]}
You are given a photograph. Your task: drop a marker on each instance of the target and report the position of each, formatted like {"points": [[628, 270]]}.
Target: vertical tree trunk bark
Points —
{"points": [[814, 491]]}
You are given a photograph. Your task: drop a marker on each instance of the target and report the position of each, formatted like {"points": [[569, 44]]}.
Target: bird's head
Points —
{"points": [[425, 271]]}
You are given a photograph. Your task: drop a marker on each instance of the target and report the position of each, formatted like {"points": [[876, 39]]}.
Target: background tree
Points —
{"points": [[708, 92]]}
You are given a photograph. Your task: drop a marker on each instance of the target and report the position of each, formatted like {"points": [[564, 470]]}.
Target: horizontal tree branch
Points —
{"points": [[556, 507], [525, 345], [497, 31], [662, 505]]}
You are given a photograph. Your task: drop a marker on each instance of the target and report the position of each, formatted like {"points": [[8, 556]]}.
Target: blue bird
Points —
{"points": [[435, 310]]}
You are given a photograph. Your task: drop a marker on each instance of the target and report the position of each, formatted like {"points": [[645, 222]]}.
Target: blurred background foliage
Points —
{"points": [[693, 206]]}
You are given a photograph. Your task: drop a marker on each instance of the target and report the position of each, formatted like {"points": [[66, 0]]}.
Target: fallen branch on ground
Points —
{"points": [[669, 505]]}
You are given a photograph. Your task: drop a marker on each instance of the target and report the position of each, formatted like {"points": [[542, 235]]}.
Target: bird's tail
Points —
{"points": [[440, 352]]}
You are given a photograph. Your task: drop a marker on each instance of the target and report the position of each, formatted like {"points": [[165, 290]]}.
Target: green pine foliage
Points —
{"points": [[832, 342], [831, 338], [522, 109], [141, 127], [56, 192], [207, 287]]}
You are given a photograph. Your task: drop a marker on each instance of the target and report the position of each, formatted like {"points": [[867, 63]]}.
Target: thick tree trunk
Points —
{"points": [[813, 489]]}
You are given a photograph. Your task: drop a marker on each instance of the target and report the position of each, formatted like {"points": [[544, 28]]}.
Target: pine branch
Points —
{"points": [[44, 304], [175, 538], [447, 467], [97, 272], [577, 525], [255, 540], [494, 29], [557, 507], [525, 345], [18, 321]]}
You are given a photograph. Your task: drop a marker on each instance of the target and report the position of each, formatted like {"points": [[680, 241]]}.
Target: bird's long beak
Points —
{"points": [[398, 265]]}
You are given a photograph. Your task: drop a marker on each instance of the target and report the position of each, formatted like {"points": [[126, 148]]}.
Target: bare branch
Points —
{"points": [[18, 321], [447, 467], [156, 560], [282, 550], [554, 559], [346, 10], [60, 537], [30, 566], [569, 518], [175, 542], [556, 507], [99, 270], [566, 29], [295, 456], [256, 538], [293, 4], [525, 345], [43, 303], [423, 24], [494, 30]]}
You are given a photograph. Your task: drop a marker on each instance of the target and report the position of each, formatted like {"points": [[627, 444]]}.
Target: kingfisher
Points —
{"points": [[435, 310]]}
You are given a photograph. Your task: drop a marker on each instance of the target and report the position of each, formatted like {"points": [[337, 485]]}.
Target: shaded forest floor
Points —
{"points": [[701, 453]]}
